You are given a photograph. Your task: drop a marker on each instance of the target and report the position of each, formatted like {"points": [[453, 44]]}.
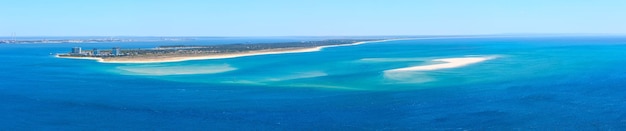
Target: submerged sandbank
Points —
{"points": [[163, 70]]}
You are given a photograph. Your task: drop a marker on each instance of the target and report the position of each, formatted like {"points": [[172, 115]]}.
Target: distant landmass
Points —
{"points": [[194, 52]]}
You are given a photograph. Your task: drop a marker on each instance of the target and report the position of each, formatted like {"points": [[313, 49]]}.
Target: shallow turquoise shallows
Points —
{"points": [[481, 83]]}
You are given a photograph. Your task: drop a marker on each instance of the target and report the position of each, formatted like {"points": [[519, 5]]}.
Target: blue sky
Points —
{"points": [[308, 17]]}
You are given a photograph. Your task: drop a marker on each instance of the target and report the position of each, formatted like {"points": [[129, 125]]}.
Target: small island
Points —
{"points": [[198, 52]]}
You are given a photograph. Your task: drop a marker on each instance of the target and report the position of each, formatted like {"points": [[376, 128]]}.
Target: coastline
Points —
{"points": [[219, 56], [204, 57], [82, 58]]}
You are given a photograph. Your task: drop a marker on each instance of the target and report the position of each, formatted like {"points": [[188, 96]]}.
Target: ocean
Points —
{"points": [[528, 83]]}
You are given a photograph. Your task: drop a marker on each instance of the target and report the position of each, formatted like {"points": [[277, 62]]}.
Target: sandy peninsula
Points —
{"points": [[187, 57]]}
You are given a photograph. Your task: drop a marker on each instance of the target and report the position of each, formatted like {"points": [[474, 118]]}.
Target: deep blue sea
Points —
{"points": [[531, 83]]}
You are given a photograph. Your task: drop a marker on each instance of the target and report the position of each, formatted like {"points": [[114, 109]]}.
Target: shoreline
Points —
{"points": [[208, 57], [223, 56], [81, 58]]}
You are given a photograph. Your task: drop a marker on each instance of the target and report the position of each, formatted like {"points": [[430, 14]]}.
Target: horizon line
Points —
{"points": [[499, 34]]}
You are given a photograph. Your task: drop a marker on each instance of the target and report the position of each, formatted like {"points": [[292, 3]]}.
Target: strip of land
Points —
{"points": [[190, 52]]}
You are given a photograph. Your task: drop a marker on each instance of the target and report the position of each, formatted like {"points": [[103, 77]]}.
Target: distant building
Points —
{"points": [[116, 51], [96, 52], [76, 50]]}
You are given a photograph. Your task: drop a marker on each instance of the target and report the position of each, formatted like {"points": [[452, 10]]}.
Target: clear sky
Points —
{"points": [[308, 17]]}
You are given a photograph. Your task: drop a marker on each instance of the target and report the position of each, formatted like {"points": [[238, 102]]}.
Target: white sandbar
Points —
{"points": [[448, 63]]}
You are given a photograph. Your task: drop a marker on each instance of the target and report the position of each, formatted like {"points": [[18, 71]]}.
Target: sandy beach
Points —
{"points": [[162, 59]]}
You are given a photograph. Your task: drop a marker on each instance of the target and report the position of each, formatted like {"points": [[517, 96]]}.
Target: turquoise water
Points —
{"points": [[531, 83]]}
